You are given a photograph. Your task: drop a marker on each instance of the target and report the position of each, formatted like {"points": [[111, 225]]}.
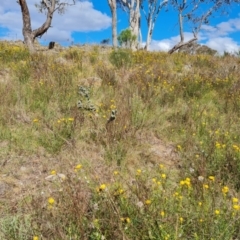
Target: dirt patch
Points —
{"points": [[158, 152]]}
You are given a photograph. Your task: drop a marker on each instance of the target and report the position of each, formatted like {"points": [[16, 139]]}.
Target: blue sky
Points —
{"points": [[89, 21]]}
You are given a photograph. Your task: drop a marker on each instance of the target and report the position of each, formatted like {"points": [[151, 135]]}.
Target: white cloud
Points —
{"points": [[222, 44], [81, 17], [166, 44], [222, 29]]}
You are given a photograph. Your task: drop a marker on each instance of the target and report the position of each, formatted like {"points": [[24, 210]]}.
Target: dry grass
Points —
{"points": [[80, 173]]}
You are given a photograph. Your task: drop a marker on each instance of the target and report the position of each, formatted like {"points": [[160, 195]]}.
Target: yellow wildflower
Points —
{"points": [[212, 178], [102, 187], [236, 207], [53, 172], [154, 180], [218, 145], [205, 186], [217, 212], [126, 220], [235, 200], [120, 191], [77, 167], [163, 176], [35, 238], [148, 202], [161, 166], [225, 190], [179, 147], [182, 182], [139, 171], [51, 201], [162, 213]]}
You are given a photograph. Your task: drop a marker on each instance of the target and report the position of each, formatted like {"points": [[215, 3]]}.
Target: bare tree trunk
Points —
{"points": [[149, 35], [181, 43], [135, 22], [27, 28], [113, 7], [153, 10], [28, 33], [181, 26]]}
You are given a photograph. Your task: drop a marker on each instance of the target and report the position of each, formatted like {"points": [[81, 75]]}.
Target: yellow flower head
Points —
{"points": [[51, 201], [126, 220], [161, 166], [70, 119], [235, 200], [182, 182], [35, 238], [120, 191], [102, 187], [225, 190], [139, 171], [236, 207], [162, 213], [212, 178], [154, 180], [53, 172], [205, 186], [148, 202], [179, 147], [77, 167], [163, 175], [217, 212]]}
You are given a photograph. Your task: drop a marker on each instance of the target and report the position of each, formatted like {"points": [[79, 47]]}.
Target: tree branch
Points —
{"points": [[181, 44]]}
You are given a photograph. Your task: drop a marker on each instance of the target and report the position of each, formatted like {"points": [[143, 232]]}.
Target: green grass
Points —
{"points": [[166, 168]]}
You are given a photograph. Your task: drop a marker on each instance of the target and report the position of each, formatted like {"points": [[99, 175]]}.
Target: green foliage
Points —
{"points": [[16, 227], [126, 38], [121, 58]]}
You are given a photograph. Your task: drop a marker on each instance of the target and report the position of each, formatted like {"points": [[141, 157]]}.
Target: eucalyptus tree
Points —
{"points": [[198, 12], [151, 12], [113, 6], [47, 6], [133, 7]]}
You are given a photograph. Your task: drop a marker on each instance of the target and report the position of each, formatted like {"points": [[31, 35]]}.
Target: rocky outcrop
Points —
{"points": [[195, 48]]}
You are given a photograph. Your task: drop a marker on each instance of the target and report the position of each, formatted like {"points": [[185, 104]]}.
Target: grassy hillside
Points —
{"points": [[102, 144]]}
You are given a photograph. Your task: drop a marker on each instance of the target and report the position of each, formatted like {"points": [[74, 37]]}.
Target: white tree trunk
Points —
{"points": [[113, 7], [134, 20], [149, 34]]}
